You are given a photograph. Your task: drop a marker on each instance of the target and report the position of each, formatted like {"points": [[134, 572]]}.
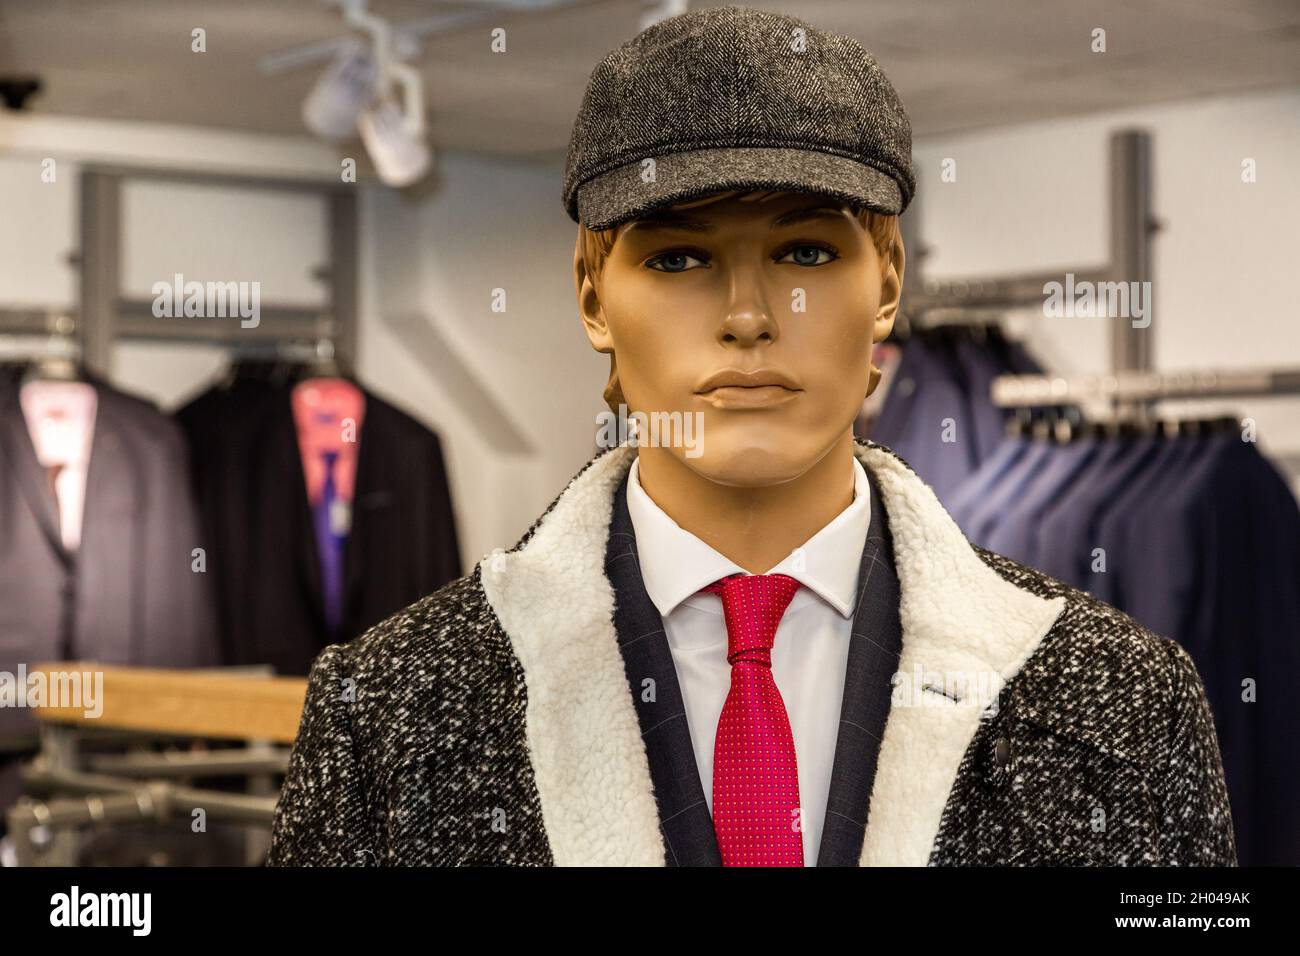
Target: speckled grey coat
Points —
{"points": [[492, 722]]}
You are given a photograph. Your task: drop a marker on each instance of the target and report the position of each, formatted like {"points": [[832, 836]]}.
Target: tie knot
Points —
{"points": [[753, 605]]}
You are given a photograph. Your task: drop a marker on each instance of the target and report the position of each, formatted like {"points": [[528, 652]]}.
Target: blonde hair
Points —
{"points": [[596, 246]]}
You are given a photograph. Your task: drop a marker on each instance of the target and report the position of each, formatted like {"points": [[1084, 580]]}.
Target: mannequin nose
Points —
{"points": [[749, 317], [748, 328]]}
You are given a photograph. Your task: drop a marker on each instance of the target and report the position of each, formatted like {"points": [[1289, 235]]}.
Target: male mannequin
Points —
{"points": [[558, 705]]}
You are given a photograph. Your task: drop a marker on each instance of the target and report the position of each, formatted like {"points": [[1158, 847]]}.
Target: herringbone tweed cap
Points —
{"points": [[731, 98]]}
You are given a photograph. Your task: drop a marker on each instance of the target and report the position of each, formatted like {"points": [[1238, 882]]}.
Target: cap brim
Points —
{"points": [[633, 190]]}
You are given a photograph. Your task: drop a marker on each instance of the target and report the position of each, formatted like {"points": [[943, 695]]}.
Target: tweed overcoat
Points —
{"points": [[492, 722]]}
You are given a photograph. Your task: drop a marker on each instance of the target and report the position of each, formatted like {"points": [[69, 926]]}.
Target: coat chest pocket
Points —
{"points": [[1063, 801]]}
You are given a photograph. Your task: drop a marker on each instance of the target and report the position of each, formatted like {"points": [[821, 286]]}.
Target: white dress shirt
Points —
{"points": [[61, 420], [812, 642]]}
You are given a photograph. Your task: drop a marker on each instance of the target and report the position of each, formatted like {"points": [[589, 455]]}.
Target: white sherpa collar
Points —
{"points": [[960, 620]]}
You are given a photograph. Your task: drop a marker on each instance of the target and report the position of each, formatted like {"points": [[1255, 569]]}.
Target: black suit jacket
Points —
{"points": [[253, 499], [873, 659]]}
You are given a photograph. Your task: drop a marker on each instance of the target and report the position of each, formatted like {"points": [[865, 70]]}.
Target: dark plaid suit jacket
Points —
{"points": [[873, 659]]}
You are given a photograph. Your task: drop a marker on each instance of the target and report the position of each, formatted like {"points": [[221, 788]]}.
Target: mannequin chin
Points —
{"points": [[755, 314], [752, 449]]}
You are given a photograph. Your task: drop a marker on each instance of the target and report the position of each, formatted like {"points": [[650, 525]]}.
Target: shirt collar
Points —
{"points": [[675, 564]]}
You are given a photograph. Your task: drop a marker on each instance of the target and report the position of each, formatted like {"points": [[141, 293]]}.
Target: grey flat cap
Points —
{"points": [[731, 98]]}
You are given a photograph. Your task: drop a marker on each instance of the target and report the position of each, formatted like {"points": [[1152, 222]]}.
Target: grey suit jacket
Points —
{"points": [[128, 595]]}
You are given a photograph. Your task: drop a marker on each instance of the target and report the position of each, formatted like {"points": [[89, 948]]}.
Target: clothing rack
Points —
{"points": [[1142, 388], [242, 704], [28, 333], [1133, 386], [34, 330], [1132, 226], [105, 315]]}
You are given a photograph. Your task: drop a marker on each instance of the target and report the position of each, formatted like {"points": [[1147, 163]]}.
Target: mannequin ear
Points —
{"points": [[873, 379], [892, 266], [593, 316], [594, 324]]}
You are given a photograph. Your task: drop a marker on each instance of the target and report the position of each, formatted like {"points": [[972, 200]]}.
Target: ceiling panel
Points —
{"points": [[959, 64]]}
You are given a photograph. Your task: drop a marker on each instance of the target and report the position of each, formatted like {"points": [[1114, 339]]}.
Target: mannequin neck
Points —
{"points": [[756, 527]]}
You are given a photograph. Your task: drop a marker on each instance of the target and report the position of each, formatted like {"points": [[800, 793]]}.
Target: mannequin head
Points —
{"points": [[758, 310]]}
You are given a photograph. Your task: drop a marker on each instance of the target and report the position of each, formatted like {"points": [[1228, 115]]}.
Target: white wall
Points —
{"points": [[500, 225]]}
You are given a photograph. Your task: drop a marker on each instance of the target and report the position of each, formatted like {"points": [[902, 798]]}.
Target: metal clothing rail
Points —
{"points": [[107, 315], [36, 321], [290, 334], [154, 799], [44, 830], [84, 787], [1142, 388]]}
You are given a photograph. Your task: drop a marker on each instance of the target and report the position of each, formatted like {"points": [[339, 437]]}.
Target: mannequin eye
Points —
{"points": [[678, 260], [806, 254]]}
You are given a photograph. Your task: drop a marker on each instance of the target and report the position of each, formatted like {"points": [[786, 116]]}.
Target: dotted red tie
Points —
{"points": [[755, 776]]}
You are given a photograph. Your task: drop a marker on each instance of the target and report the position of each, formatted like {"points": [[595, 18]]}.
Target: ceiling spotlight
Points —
{"points": [[400, 156], [337, 100], [393, 134], [359, 92]]}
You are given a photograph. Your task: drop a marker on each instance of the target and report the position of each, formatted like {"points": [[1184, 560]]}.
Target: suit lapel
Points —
{"points": [[959, 618], [872, 662], [966, 632], [370, 490], [29, 474], [648, 662], [556, 606], [111, 535]]}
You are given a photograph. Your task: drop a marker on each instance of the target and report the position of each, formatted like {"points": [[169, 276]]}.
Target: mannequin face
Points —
{"points": [[760, 315]]}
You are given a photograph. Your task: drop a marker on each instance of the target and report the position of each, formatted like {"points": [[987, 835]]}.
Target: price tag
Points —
{"points": [[340, 517]]}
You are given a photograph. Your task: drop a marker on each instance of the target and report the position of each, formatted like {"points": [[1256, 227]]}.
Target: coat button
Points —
{"points": [[1002, 751]]}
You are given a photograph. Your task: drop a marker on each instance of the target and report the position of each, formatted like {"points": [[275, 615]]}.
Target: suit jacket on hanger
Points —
{"points": [[127, 594], [493, 721], [248, 471]]}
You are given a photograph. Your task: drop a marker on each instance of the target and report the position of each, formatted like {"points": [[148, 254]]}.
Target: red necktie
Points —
{"points": [[755, 776]]}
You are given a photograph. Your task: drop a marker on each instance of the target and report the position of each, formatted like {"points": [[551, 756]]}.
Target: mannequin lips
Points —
{"points": [[761, 388]]}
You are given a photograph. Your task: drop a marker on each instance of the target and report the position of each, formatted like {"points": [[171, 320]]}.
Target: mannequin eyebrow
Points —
{"points": [[807, 214], [670, 220]]}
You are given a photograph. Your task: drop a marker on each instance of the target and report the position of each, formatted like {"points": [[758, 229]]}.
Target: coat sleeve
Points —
{"points": [[321, 818], [1196, 821]]}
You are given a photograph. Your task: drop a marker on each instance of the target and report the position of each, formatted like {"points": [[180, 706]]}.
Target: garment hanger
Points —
{"points": [[1017, 423], [1069, 425], [326, 363], [60, 361]]}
